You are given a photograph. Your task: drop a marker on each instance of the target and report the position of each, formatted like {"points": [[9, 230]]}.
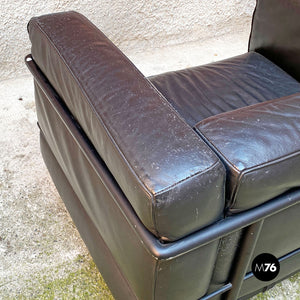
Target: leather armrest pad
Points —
{"points": [[159, 162]]}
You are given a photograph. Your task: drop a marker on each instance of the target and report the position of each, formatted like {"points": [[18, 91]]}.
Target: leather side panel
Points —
{"points": [[97, 247], [280, 233], [196, 266]]}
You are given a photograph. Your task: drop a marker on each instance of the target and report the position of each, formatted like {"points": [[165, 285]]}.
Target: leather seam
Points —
{"points": [[259, 166], [219, 153], [222, 156], [245, 108], [177, 183], [99, 119], [246, 171], [187, 178]]}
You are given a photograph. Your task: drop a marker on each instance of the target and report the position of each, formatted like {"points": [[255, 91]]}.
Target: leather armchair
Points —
{"points": [[178, 181]]}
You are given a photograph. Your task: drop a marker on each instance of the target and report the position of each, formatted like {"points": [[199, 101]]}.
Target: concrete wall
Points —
{"points": [[133, 25]]}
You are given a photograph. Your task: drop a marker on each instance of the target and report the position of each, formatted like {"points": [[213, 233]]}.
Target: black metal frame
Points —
{"points": [[251, 220]]}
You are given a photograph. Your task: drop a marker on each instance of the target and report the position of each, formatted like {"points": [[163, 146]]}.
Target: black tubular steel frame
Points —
{"points": [[251, 220]]}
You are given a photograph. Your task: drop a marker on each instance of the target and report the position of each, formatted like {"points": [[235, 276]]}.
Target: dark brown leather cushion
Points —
{"points": [[260, 146], [200, 92], [173, 180], [255, 143], [275, 33]]}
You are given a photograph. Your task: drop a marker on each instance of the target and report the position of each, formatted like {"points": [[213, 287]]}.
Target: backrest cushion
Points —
{"points": [[275, 33]]}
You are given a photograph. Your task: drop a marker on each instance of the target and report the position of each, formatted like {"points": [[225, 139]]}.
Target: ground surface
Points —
{"points": [[41, 253]]}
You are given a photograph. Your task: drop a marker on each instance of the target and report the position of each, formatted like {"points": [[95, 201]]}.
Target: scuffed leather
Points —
{"points": [[260, 146], [275, 33], [150, 277], [172, 179], [204, 91]]}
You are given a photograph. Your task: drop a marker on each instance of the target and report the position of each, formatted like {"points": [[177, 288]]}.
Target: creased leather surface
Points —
{"points": [[201, 92], [275, 33], [161, 165], [260, 146]]}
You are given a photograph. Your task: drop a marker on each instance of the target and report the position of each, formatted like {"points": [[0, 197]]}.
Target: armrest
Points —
{"points": [[260, 145], [172, 179], [275, 33]]}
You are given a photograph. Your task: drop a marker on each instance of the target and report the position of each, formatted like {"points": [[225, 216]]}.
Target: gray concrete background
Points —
{"points": [[133, 25]]}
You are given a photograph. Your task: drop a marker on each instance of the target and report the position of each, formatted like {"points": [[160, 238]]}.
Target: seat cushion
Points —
{"points": [[201, 92], [260, 146], [231, 105]]}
